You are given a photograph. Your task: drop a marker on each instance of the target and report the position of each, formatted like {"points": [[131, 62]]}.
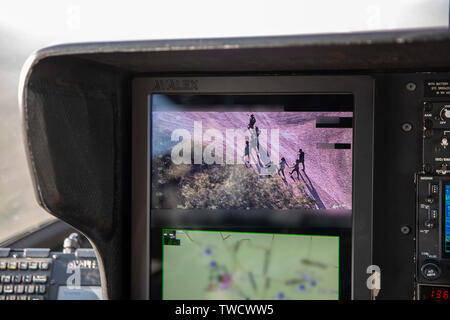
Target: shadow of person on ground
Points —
{"points": [[312, 190]]}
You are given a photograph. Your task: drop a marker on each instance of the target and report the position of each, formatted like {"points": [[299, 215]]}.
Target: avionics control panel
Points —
{"points": [[433, 229], [39, 274], [433, 204], [436, 137]]}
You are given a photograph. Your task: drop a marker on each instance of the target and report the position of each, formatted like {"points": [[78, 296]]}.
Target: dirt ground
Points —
{"points": [[328, 172]]}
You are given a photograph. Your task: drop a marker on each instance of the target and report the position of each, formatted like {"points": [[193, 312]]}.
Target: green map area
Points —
{"points": [[205, 265]]}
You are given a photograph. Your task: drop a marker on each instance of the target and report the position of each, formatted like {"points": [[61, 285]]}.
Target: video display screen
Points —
{"points": [[213, 265], [251, 152]]}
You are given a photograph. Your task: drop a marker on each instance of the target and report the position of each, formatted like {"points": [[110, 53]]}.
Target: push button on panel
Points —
{"points": [[30, 289], [41, 289], [8, 289], [434, 188], [33, 266], [44, 265], [23, 265], [12, 265], [429, 224], [16, 279], [27, 278], [6, 279], [19, 289], [429, 200], [434, 214], [40, 279], [431, 271]]}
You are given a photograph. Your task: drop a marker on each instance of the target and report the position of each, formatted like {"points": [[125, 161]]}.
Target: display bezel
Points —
{"points": [[361, 87]]}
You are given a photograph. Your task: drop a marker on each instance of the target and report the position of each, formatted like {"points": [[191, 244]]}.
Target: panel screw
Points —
{"points": [[410, 86], [405, 229], [407, 127]]}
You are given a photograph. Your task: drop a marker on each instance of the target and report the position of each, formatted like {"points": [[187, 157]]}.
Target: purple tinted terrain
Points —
{"points": [[328, 174]]}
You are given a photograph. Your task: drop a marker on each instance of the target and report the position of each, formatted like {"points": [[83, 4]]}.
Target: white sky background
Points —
{"points": [[28, 25], [87, 20]]}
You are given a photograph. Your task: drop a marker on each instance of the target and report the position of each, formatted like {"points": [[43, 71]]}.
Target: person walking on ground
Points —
{"points": [[252, 121], [283, 164], [296, 169], [301, 158]]}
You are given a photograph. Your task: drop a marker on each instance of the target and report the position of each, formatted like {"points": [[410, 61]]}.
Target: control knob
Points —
{"points": [[444, 141], [445, 113], [431, 271], [429, 223]]}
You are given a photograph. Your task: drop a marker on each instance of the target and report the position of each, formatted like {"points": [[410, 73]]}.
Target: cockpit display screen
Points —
{"points": [[250, 152], [446, 222], [250, 195], [219, 265]]}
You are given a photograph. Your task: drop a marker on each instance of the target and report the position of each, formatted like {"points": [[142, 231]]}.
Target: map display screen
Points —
{"points": [[204, 265]]}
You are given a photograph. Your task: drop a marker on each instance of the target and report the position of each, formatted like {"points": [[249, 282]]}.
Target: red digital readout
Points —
{"points": [[437, 294]]}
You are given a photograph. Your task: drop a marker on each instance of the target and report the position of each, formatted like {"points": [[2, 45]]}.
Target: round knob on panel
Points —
{"points": [[444, 141], [443, 169], [427, 106], [431, 271], [446, 113], [429, 224]]}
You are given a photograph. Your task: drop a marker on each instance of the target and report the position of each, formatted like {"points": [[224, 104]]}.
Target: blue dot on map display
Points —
{"points": [[313, 283], [281, 295], [301, 287], [208, 251], [212, 264]]}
